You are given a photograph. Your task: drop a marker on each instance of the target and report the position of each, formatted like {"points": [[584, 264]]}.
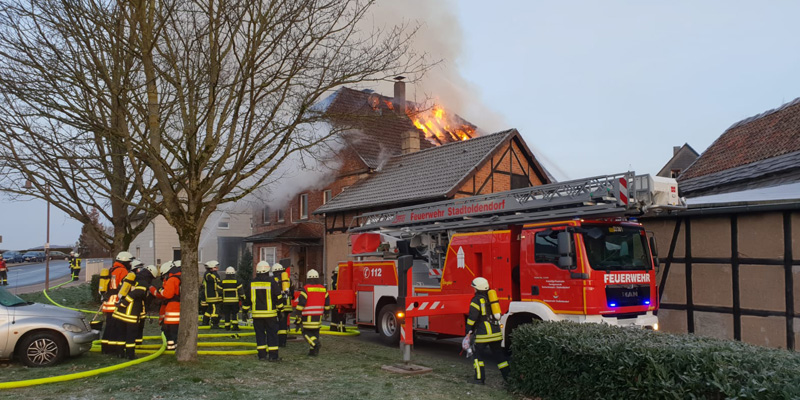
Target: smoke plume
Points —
{"points": [[440, 36]]}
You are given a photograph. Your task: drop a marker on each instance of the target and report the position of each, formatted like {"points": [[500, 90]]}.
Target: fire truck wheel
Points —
{"points": [[388, 327]]}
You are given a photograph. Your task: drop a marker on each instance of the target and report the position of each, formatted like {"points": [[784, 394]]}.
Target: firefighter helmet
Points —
{"points": [[262, 267], [336, 270], [480, 283], [277, 267], [165, 267], [123, 256], [212, 264], [230, 271], [136, 264], [153, 270], [76, 255], [312, 274], [177, 263]]}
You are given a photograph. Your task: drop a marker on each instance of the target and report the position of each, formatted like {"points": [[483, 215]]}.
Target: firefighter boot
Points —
{"points": [[206, 320], [130, 353], [235, 327]]}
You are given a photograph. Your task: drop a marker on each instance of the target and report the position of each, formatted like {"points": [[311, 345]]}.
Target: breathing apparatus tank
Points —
{"points": [[495, 304]]}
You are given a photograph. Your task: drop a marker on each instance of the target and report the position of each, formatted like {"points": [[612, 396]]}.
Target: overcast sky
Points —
{"points": [[594, 87]]}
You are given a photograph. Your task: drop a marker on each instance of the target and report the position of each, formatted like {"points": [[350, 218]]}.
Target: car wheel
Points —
{"points": [[41, 349], [388, 326]]}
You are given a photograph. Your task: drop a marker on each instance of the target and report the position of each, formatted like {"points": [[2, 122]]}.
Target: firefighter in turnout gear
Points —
{"points": [[265, 300], [212, 290], [3, 272], [131, 307], [109, 343], [482, 323], [337, 318], [74, 265], [232, 293], [170, 295], [312, 304], [282, 277]]}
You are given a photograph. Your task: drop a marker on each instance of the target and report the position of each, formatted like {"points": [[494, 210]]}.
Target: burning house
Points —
{"points": [[394, 153]]}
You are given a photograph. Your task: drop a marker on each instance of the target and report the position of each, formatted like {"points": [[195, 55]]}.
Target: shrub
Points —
{"points": [[564, 360]]}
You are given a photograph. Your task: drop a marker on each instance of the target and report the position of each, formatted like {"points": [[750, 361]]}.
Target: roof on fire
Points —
{"points": [[760, 151], [426, 175]]}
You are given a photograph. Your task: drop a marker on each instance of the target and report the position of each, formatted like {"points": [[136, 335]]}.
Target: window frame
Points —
{"points": [[303, 212], [262, 254], [327, 195]]}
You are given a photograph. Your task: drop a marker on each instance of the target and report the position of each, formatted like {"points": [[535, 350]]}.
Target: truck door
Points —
{"points": [[541, 279]]}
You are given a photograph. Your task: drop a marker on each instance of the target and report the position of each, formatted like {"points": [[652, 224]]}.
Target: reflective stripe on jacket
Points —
{"points": [[231, 291], [313, 300], [265, 297], [211, 287]]}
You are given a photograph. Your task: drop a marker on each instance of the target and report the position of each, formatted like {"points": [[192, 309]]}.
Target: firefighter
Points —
{"points": [[337, 318], [265, 299], [170, 296], [486, 329], [109, 343], [232, 293], [74, 265], [131, 307], [212, 290], [282, 277], [312, 304], [136, 266], [3, 272]]}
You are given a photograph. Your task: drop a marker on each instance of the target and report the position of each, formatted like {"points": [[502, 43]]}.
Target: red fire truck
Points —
{"points": [[563, 251]]}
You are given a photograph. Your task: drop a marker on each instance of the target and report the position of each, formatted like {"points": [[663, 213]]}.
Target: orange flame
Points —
{"points": [[439, 127]]}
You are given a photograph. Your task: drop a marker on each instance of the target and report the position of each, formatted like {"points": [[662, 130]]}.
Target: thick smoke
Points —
{"points": [[440, 36]]}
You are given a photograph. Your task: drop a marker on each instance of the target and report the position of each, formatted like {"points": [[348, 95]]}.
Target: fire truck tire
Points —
{"points": [[388, 326]]}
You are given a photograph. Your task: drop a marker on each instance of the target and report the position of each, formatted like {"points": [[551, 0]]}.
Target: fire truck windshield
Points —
{"points": [[616, 248]]}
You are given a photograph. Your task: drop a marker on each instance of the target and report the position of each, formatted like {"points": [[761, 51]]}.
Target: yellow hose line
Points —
{"points": [[85, 374], [203, 344]]}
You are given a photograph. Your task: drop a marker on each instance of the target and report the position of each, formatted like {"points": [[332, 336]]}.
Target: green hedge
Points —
{"points": [[564, 360], [94, 286]]}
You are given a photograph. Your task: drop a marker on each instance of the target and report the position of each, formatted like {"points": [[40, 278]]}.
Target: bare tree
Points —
{"points": [[204, 98], [65, 82]]}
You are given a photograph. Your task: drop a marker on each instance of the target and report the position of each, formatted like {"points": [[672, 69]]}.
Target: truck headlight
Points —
{"points": [[72, 328]]}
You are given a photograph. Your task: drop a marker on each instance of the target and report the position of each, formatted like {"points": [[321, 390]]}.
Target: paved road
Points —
{"points": [[33, 273]]}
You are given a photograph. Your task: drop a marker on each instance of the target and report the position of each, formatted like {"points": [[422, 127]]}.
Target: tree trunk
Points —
{"points": [[190, 285]]}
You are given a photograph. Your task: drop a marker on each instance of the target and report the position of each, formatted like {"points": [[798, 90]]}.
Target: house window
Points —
{"points": [[223, 225], [326, 196], [674, 173], [519, 181], [279, 215], [268, 255], [265, 215], [304, 206], [138, 253]]}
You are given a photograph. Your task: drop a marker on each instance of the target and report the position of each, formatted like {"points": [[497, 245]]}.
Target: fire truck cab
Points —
{"points": [[549, 259]]}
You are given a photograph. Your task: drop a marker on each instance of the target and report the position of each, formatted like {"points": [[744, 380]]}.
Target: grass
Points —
{"points": [[347, 368]]}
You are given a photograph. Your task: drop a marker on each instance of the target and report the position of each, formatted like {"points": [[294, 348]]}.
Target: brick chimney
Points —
{"points": [[675, 149], [409, 142], [399, 100]]}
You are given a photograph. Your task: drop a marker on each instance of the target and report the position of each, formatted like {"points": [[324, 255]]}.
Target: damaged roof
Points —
{"points": [[431, 174], [295, 232], [372, 127]]}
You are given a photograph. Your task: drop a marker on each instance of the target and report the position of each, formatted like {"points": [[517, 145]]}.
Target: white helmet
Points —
{"points": [[230, 271], [312, 274], [277, 267], [124, 256], [153, 270], [135, 264], [177, 263], [75, 255], [262, 267], [336, 270], [480, 283], [165, 267], [212, 264]]}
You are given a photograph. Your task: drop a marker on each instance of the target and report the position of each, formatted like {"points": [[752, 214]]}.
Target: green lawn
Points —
{"points": [[347, 368]]}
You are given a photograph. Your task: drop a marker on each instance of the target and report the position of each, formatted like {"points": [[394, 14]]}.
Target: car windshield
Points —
{"points": [[616, 248], [9, 299]]}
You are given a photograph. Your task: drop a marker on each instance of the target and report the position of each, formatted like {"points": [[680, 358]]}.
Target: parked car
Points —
{"points": [[33, 256], [40, 335], [58, 255], [13, 257]]}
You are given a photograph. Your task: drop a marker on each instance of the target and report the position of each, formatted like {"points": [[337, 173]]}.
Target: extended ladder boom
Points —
{"points": [[608, 195]]}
